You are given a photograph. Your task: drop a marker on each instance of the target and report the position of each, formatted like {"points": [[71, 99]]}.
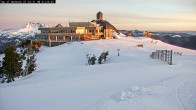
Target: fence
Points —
{"points": [[164, 55]]}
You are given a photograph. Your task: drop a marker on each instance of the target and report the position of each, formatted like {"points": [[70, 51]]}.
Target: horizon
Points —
{"points": [[168, 15]]}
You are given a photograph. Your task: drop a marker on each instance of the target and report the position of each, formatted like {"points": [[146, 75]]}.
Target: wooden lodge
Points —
{"points": [[77, 31]]}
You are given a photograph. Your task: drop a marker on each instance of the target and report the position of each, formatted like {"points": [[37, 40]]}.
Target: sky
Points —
{"points": [[156, 15]]}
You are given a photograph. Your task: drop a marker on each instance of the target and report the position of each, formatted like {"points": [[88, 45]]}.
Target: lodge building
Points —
{"points": [[77, 31]]}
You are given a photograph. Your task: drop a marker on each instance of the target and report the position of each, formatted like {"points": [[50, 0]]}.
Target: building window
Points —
{"points": [[63, 31], [60, 37], [52, 37], [45, 37], [80, 31]]}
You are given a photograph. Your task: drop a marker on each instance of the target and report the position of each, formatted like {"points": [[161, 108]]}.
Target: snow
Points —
{"points": [[30, 29], [118, 35], [2, 56], [131, 81], [176, 36]]}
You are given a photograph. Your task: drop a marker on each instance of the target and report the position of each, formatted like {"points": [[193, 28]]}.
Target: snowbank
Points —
{"points": [[118, 35], [176, 36]]}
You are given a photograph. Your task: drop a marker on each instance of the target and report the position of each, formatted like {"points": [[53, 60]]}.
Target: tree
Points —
{"points": [[103, 57], [2, 75], [12, 64], [31, 64], [1, 70], [93, 59], [25, 44]]}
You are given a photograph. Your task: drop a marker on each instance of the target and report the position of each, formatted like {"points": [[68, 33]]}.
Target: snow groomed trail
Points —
{"points": [[132, 80]]}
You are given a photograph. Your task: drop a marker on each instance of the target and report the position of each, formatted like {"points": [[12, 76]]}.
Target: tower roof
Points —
{"points": [[99, 12]]}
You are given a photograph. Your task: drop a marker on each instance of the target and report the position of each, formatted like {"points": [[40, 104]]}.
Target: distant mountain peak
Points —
{"points": [[30, 29]]}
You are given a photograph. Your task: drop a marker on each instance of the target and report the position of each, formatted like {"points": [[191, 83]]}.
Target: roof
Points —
{"points": [[59, 25], [105, 24], [80, 24], [99, 12]]}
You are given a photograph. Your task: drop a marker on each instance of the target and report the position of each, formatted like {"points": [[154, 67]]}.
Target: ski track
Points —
{"points": [[179, 100]]}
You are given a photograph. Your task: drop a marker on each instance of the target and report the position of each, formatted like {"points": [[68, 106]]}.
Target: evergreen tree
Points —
{"points": [[31, 64], [93, 59], [101, 58], [1, 70], [105, 56], [24, 44], [12, 64]]}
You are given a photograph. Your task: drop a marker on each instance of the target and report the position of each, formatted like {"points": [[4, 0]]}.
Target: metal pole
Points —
{"points": [[171, 58], [118, 52]]}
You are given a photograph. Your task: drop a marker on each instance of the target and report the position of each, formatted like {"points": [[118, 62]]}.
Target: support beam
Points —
{"points": [[49, 38], [49, 41], [71, 38], [56, 38]]}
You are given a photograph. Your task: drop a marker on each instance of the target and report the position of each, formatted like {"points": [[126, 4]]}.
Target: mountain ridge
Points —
{"points": [[30, 29]]}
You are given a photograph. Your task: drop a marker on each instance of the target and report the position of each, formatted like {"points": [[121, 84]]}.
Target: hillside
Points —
{"points": [[182, 39], [131, 81]]}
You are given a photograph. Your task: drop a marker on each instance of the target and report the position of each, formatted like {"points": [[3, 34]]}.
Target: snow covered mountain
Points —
{"points": [[27, 31], [131, 81], [14, 36]]}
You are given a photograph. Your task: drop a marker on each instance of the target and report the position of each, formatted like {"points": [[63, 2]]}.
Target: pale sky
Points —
{"points": [[165, 15]]}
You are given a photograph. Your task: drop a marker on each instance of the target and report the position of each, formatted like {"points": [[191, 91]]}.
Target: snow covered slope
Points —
{"points": [[118, 35], [131, 81]]}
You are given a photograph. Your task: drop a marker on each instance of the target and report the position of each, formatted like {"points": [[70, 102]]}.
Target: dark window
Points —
{"points": [[53, 37], [60, 37]]}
